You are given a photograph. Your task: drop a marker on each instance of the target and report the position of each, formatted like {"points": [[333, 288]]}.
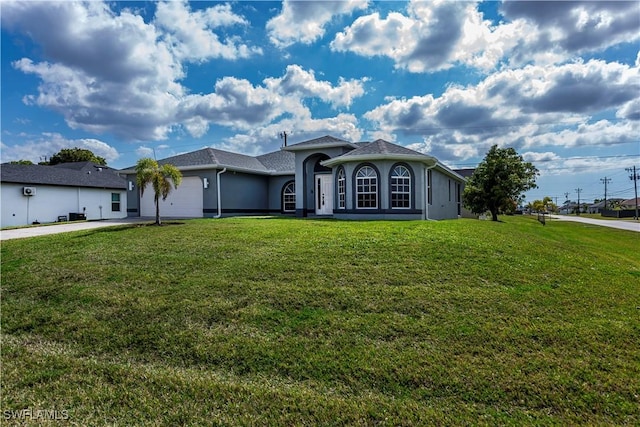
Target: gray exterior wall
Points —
{"points": [[384, 211], [276, 185], [444, 196], [305, 162], [244, 193]]}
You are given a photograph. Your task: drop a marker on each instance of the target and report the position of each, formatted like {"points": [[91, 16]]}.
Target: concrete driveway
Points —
{"points": [[622, 225], [19, 233]]}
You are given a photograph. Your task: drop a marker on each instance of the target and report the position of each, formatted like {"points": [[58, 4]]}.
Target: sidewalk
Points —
{"points": [[622, 225], [19, 233]]}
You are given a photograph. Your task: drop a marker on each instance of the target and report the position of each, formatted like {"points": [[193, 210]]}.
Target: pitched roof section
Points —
{"points": [[384, 150], [82, 174], [382, 147], [379, 150], [279, 161], [326, 141], [271, 163]]}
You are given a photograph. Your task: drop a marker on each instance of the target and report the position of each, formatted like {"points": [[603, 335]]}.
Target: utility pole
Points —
{"points": [[605, 180], [634, 177], [578, 190], [283, 135]]}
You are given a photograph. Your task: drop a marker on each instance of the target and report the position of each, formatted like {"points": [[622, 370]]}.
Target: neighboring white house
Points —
{"points": [[37, 193]]}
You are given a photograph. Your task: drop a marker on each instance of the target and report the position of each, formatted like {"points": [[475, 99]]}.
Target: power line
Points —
{"points": [[634, 177]]}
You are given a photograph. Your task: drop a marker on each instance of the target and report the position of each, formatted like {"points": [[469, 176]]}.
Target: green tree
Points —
{"points": [[21, 162], [72, 155], [498, 181], [161, 177]]}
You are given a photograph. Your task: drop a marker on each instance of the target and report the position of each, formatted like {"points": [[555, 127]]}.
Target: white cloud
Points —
{"points": [[191, 35], [303, 83], [144, 151], [264, 138], [132, 87], [438, 35], [239, 104], [531, 156], [36, 148], [531, 107], [304, 21]]}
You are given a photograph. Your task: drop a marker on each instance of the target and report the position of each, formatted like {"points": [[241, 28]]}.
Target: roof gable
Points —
{"points": [[382, 147], [322, 142]]}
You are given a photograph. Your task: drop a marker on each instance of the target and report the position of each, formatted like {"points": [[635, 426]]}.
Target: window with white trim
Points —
{"points": [[342, 188], [366, 188], [400, 188], [289, 197]]}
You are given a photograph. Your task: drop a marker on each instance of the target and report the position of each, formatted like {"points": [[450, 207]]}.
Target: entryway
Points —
{"points": [[324, 194]]}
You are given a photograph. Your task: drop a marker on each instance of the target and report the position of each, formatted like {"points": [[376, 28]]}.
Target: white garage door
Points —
{"points": [[185, 202]]}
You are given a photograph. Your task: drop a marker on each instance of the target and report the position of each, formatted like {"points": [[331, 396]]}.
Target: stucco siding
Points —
{"points": [[276, 184], [444, 202], [49, 202], [243, 193], [384, 209]]}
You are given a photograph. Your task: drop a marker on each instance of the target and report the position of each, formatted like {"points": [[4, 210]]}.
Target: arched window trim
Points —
{"points": [[289, 197], [367, 192], [401, 193], [341, 188]]}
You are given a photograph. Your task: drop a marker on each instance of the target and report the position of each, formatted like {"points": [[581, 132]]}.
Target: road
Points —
{"points": [[622, 225]]}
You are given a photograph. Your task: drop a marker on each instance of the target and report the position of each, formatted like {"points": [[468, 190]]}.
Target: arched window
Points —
{"points": [[289, 197], [366, 188], [400, 188], [342, 188]]}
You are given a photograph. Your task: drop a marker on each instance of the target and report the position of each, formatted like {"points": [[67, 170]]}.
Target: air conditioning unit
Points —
{"points": [[29, 191]]}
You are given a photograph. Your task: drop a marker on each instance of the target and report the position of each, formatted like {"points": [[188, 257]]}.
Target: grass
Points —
{"points": [[317, 322]]}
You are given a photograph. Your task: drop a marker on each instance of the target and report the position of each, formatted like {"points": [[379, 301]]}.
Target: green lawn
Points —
{"points": [[317, 322]]}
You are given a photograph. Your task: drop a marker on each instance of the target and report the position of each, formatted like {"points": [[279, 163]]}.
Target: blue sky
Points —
{"points": [[558, 81]]}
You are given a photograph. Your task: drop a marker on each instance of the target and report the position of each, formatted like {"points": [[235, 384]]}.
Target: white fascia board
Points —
{"points": [[429, 161]]}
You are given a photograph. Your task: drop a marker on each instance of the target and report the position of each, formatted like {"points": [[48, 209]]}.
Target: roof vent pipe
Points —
{"points": [[218, 191]]}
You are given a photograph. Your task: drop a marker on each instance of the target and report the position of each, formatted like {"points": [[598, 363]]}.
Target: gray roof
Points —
{"points": [[81, 174], [466, 173], [323, 141], [600, 204], [214, 158], [278, 161], [382, 147]]}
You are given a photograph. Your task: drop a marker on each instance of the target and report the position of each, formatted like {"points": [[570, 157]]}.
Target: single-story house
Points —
{"points": [[630, 203], [597, 208], [37, 193], [326, 176]]}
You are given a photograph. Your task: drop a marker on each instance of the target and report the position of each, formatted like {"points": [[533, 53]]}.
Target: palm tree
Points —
{"points": [[160, 177]]}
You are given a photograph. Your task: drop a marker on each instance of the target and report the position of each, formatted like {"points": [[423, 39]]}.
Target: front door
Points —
{"points": [[324, 194]]}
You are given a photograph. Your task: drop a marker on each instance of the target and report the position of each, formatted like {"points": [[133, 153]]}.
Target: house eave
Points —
{"points": [[219, 166]]}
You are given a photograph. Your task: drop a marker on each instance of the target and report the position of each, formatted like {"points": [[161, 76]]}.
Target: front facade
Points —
{"points": [[43, 194], [326, 177]]}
